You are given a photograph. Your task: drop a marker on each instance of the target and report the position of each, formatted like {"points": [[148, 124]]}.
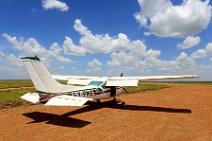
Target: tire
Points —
{"points": [[123, 105]]}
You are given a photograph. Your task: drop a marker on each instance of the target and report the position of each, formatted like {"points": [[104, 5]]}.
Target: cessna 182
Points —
{"points": [[79, 89]]}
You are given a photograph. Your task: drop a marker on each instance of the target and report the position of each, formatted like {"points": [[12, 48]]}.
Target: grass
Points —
{"points": [[146, 87], [12, 98], [15, 83], [193, 82]]}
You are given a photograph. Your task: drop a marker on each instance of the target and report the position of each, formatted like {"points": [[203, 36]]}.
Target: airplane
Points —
{"points": [[79, 89]]}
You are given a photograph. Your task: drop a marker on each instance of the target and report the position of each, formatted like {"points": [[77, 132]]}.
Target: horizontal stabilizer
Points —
{"points": [[66, 100], [31, 97]]}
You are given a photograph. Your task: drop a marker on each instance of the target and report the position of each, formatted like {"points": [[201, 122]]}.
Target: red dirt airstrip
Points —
{"points": [[182, 112]]}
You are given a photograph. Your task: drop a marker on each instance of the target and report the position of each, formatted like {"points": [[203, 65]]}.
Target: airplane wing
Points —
{"points": [[133, 81], [118, 81], [67, 77], [66, 100], [77, 80]]}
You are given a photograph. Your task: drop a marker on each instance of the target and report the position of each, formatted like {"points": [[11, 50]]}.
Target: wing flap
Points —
{"points": [[122, 82], [66, 100], [31, 97]]}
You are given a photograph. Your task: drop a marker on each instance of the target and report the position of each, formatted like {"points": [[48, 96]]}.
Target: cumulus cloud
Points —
{"points": [[153, 53], [202, 53], [12, 67], [167, 20], [72, 49], [208, 49], [151, 62], [199, 54], [122, 58], [54, 4], [183, 61], [31, 46], [94, 66], [101, 43], [189, 42]]}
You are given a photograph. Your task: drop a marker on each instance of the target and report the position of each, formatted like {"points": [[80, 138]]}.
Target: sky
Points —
{"points": [[107, 37]]}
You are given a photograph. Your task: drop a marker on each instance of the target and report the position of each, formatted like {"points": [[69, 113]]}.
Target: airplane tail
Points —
{"points": [[41, 77]]}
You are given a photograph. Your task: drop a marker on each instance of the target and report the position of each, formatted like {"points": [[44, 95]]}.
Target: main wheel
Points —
{"points": [[123, 104], [115, 99]]}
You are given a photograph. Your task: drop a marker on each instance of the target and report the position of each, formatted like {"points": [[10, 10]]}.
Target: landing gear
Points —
{"points": [[98, 101], [115, 99], [123, 104]]}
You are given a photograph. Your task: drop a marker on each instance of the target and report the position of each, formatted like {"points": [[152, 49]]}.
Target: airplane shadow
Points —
{"points": [[66, 121], [91, 106], [56, 120]]}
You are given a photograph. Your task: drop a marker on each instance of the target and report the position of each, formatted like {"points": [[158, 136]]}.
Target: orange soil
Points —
{"points": [[182, 112]]}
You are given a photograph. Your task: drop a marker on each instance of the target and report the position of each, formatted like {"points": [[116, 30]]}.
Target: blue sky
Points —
{"points": [[107, 37]]}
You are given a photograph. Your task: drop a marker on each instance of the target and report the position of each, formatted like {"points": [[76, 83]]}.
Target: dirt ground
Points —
{"points": [[12, 89], [179, 113]]}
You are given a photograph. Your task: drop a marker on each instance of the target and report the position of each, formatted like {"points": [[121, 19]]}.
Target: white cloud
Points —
{"points": [[210, 59], [164, 19], [101, 43], [13, 60], [199, 54], [94, 66], [54, 4], [147, 33], [56, 48], [31, 47], [183, 60], [12, 67], [119, 59], [72, 49], [149, 8], [152, 63], [189, 42], [153, 53], [208, 49], [202, 53]]}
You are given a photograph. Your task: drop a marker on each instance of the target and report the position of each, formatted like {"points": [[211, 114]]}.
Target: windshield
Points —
{"points": [[95, 83]]}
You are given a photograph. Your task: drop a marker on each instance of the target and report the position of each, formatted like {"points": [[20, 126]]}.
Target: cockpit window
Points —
{"points": [[96, 83]]}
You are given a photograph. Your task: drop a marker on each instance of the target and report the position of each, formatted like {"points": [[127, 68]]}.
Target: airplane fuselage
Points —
{"points": [[88, 92], [97, 93]]}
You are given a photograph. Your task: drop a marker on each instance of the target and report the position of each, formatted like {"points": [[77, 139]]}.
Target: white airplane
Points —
{"points": [[79, 89]]}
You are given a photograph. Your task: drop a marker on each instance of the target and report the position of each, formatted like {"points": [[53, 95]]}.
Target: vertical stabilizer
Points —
{"points": [[41, 78]]}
